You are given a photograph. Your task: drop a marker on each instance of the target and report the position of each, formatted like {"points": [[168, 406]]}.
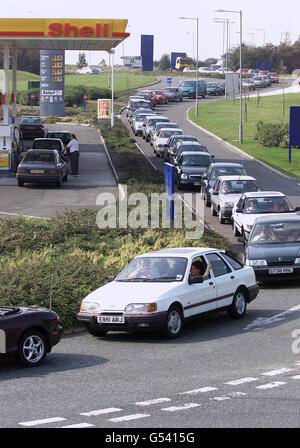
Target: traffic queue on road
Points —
{"points": [[232, 196]]}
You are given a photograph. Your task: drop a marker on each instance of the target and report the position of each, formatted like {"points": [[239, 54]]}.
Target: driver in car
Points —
{"points": [[145, 270]]}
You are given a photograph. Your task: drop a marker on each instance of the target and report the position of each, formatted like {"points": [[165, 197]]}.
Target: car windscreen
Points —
{"points": [[212, 84], [226, 171], [192, 148], [238, 186], [268, 204], [47, 144], [189, 84], [167, 134], [63, 136], [279, 232], [196, 160], [39, 157], [153, 121], [154, 269]]}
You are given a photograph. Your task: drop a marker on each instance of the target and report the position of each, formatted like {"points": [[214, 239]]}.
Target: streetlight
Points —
{"points": [[197, 58], [193, 35], [218, 20], [260, 29], [241, 76]]}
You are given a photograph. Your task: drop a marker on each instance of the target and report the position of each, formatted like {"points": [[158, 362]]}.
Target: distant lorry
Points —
{"points": [[183, 62], [174, 56]]}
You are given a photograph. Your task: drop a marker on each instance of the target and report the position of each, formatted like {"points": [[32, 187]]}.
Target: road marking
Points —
{"points": [[271, 385], [181, 408], [127, 418], [201, 390], [42, 422], [297, 377], [150, 402], [241, 381], [100, 412], [24, 216], [79, 425], [223, 398], [277, 372], [261, 321]]}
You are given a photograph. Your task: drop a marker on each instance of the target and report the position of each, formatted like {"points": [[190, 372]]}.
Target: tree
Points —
{"points": [[165, 62], [82, 60]]}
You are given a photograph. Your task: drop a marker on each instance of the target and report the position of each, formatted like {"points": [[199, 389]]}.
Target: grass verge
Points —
{"points": [[223, 117]]}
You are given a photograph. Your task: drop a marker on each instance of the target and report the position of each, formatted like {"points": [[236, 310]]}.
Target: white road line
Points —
{"points": [[150, 402], [277, 372], [223, 398], [297, 377], [101, 412], [79, 425], [261, 321], [127, 418], [202, 390], [241, 381], [271, 385], [181, 408], [42, 422]]}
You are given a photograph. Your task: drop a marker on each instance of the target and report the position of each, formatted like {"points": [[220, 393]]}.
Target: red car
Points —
{"points": [[263, 72], [159, 97], [273, 77]]}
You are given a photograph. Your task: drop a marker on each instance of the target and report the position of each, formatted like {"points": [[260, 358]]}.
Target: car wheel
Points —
{"points": [[32, 349], [20, 183], [239, 305], [174, 323], [59, 183], [94, 331], [213, 211], [65, 179], [221, 219]]}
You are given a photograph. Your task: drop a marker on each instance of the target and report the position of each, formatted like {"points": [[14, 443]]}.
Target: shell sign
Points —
{"points": [[64, 28]]}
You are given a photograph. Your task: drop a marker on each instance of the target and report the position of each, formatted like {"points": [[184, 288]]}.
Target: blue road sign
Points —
{"points": [[294, 129], [169, 173]]}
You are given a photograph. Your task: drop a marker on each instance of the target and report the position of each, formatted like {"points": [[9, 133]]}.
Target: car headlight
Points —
{"points": [[228, 205], [184, 176], [297, 261], [90, 307], [249, 227], [256, 262], [140, 308]]}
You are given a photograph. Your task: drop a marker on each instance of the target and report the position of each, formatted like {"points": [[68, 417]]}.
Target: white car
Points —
{"points": [[87, 71], [157, 292], [227, 192], [156, 130], [138, 122], [253, 205], [162, 139]]}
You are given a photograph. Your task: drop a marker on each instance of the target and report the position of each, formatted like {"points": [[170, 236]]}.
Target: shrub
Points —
{"points": [[272, 134]]}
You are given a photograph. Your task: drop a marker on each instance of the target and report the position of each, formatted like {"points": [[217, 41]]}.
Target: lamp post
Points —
{"points": [[197, 58], [241, 76], [227, 22], [260, 29]]}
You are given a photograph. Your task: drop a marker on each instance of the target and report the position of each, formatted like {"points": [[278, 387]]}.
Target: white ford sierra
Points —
{"points": [[156, 291]]}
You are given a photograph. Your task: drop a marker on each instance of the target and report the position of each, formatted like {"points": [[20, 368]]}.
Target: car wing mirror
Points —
{"points": [[239, 210], [297, 209], [111, 278], [195, 280]]}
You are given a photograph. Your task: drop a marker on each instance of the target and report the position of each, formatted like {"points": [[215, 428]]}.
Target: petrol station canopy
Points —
{"points": [[63, 34]]}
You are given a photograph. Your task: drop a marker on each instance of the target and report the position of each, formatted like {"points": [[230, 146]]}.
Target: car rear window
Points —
{"points": [[47, 144], [46, 157], [29, 120]]}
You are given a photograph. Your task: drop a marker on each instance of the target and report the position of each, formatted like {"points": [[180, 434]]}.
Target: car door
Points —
{"points": [[215, 195], [201, 297], [226, 281], [237, 214]]}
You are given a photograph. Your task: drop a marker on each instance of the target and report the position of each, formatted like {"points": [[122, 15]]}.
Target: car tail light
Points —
{"points": [[53, 171], [21, 170]]}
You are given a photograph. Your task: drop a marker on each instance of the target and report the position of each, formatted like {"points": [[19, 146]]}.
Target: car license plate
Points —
{"points": [[111, 320], [197, 184], [37, 171], [281, 271]]}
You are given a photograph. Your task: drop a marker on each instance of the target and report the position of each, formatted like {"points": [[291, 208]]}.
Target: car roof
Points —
{"points": [[180, 252], [236, 178], [189, 143], [261, 194], [169, 130], [58, 139], [43, 151], [195, 153], [58, 130], [161, 116], [226, 164], [292, 217]]}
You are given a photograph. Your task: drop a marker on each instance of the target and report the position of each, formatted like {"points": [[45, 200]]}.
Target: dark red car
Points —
{"points": [[273, 77], [160, 97], [28, 333]]}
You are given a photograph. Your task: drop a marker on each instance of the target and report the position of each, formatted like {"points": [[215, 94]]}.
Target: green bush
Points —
{"points": [[272, 134]]}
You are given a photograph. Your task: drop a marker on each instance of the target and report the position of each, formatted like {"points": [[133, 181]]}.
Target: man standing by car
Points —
{"points": [[73, 146]]}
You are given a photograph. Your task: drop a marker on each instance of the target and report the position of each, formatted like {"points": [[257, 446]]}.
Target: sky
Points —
{"points": [[161, 19]]}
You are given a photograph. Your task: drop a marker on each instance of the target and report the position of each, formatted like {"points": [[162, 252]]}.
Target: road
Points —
{"points": [[221, 373]]}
